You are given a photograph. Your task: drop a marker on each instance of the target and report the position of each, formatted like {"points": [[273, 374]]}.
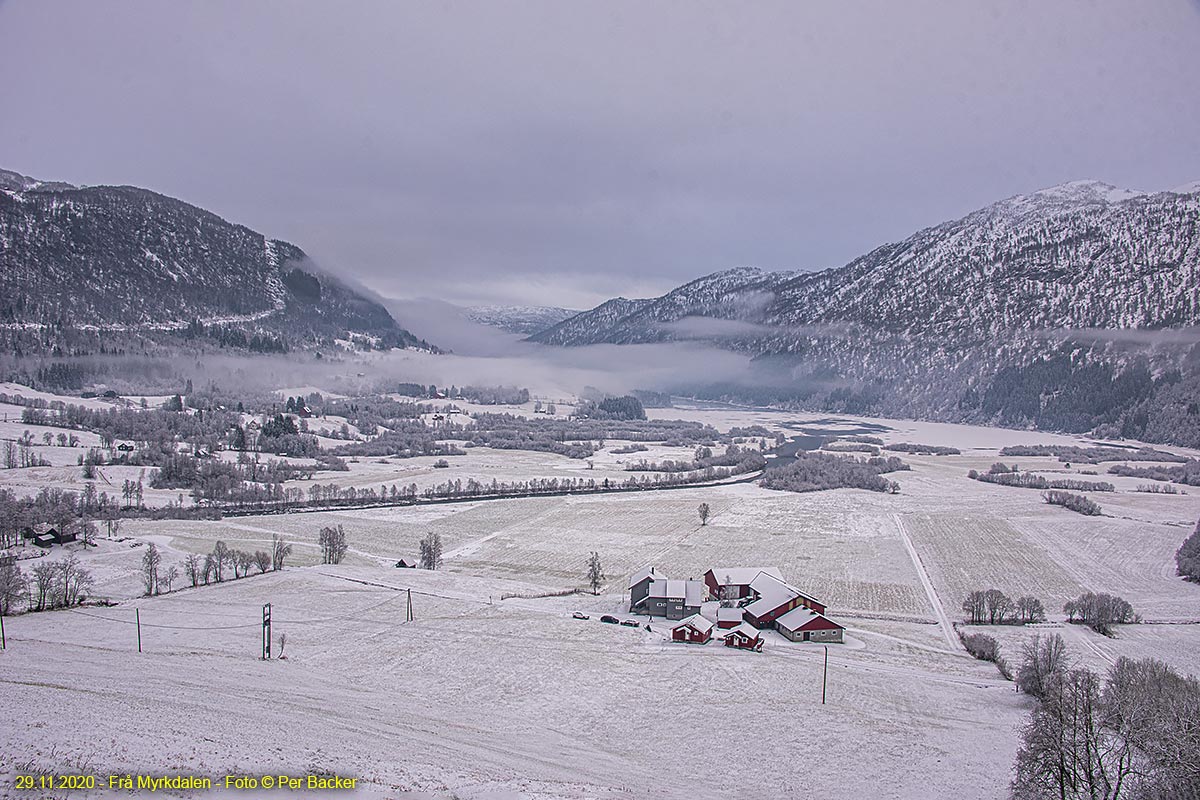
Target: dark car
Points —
{"points": [[610, 619]]}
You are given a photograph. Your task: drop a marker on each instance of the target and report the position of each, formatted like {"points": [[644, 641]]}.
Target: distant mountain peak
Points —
{"points": [[16, 182], [1072, 194]]}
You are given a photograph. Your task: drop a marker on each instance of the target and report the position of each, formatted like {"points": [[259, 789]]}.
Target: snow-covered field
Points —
{"points": [[483, 697]]}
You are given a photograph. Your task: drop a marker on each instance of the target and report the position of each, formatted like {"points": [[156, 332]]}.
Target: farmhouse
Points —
{"points": [[44, 535], [653, 593], [805, 625], [694, 630]]}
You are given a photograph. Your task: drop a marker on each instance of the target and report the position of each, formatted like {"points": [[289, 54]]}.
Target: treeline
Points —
{"points": [[1092, 455], [483, 395], [704, 459], [612, 408], [994, 607], [69, 512], [1129, 734], [923, 449], [1002, 475], [1100, 611], [319, 496], [581, 437], [148, 426], [813, 472], [1187, 473], [407, 439], [1187, 557], [845, 446], [1073, 502]]}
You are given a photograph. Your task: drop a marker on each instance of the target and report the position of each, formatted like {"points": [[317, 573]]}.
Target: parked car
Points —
{"points": [[631, 623], [580, 615], [610, 619]]}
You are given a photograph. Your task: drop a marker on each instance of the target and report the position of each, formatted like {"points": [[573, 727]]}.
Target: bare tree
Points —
{"points": [[280, 550], [170, 576], [73, 581], [42, 595], [1068, 750], [975, 608], [1043, 660], [192, 568], [1030, 609], [704, 512], [220, 558], [151, 561], [595, 573], [262, 559], [729, 593], [431, 551], [13, 586], [332, 541]]}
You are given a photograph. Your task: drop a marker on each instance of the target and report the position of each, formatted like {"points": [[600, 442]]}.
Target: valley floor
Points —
{"points": [[494, 693]]}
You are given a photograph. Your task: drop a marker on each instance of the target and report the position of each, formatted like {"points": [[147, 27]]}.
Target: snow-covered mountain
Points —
{"points": [[1080, 255], [519, 319], [124, 260], [1019, 313]]}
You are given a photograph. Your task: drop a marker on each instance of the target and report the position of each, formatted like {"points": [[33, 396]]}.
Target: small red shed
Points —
{"points": [[693, 630]]}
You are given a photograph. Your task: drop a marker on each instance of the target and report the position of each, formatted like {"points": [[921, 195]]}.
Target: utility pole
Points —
{"points": [[409, 618], [3, 639], [266, 644], [824, 674], [138, 614]]}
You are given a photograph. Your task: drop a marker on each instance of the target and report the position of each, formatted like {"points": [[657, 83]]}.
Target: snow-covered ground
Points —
{"points": [[483, 697]]}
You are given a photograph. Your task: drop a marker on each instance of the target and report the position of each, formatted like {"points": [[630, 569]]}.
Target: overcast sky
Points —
{"points": [[565, 152]]}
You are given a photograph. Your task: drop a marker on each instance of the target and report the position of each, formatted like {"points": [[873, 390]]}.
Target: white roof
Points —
{"points": [[702, 624], [797, 618], [642, 574], [741, 576], [772, 593], [725, 614], [688, 591], [746, 629]]}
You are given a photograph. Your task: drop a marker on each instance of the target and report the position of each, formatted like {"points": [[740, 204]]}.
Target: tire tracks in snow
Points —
{"points": [[934, 601]]}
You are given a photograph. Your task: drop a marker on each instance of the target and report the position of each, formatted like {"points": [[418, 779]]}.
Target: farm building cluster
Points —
{"points": [[748, 601]]}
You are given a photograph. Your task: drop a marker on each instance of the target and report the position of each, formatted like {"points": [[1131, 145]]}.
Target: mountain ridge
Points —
{"points": [[1017, 313], [123, 258]]}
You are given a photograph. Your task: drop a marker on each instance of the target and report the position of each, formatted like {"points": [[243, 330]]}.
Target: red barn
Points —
{"points": [[693, 630], [805, 625], [773, 598], [733, 583]]}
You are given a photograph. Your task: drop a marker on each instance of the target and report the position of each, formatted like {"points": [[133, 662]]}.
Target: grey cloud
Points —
{"points": [[566, 153]]}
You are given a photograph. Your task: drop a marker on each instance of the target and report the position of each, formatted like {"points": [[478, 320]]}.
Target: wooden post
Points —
{"points": [[824, 673], [3, 638], [410, 610], [138, 613]]}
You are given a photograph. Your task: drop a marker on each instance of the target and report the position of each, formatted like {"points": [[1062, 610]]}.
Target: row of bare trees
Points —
{"points": [[50, 584], [994, 607]]}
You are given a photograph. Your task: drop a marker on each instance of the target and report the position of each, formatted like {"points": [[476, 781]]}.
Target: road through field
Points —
{"points": [[934, 600]]}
